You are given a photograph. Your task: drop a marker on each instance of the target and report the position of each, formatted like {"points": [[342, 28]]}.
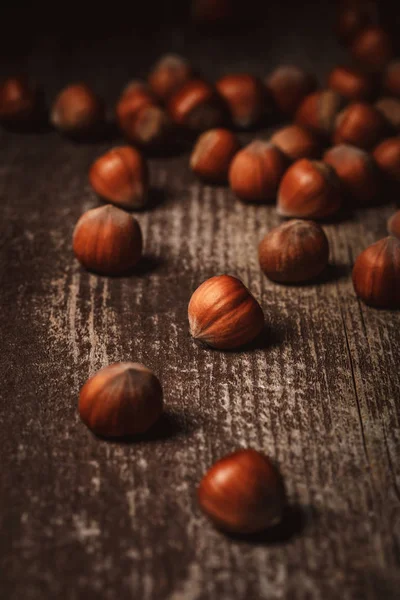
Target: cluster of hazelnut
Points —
{"points": [[243, 492]]}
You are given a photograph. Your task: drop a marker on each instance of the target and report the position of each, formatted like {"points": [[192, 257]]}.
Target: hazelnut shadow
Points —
{"points": [[331, 273], [147, 264], [106, 133], [39, 124], [271, 335]]}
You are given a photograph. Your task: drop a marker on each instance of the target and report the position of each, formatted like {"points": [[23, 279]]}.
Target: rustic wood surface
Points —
{"points": [[84, 518]]}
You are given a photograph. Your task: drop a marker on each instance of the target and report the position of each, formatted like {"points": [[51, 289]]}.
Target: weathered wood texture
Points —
{"points": [[84, 518]]}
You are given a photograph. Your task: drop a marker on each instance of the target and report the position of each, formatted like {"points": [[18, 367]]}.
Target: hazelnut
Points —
{"points": [[197, 106], [376, 274], [353, 17], [223, 314], [121, 176], [373, 48], [310, 189], [391, 78], [390, 109], [361, 125], [168, 74], [289, 85], [294, 252], [256, 171], [135, 96], [107, 240], [393, 224], [213, 154], [351, 83], [18, 100], [319, 110], [387, 157], [150, 127], [357, 172], [77, 110], [296, 142], [242, 493], [245, 97], [122, 399]]}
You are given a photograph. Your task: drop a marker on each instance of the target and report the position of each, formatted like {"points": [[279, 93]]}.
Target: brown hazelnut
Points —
{"points": [[310, 189], [256, 171], [357, 172], [376, 274], [361, 125], [223, 314], [390, 109], [294, 252], [296, 142], [135, 96], [353, 17], [168, 74], [213, 154], [387, 157], [77, 110], [242, 493], [246, 99], [393, 224], [122, 399], [350, 83], [319, 110], [391, 78], [373, 48], [107, 240], [18, 100], [121, 176], [150, 127], [196, 106], [289, 85]]}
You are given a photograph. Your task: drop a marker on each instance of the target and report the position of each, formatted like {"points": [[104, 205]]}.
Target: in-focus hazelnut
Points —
{"points": [[390, 109], [294, 252], [242, 493], [150, 127], [310, 189], [107, 240], [256, 171], [319, 110], [297, 142], [223, 313], [289, 85], [353, 17], [387, 157], [352, 84], [122, 399], [393, 224], [197, 106], [361, 125], [357, 172], [168, 74], [77, 109], [121, 176], [18, 100], [246, 99], [373, 48], [213, 154], [134, 96], [376, 274], [391, 79]]}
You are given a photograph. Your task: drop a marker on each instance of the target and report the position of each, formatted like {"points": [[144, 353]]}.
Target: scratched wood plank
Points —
{"points": [[83, 518]]}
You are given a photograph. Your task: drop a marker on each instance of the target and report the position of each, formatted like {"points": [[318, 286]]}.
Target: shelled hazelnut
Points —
{"points": [[350, 83], [256, 171], [77, 109], [168, 74], [376, 274], [246, 99], [390, 109], [393, 224], [289, 85], [122, 399], [361, 125], [297, 142], [387, 157], [18, 100], [107, 240], [242, 493], [294, 252], [197, 106], [357, 172], [223, 314], [212, 155], [121, 176], [373, 48], [309, 190], [353, 17], [319, 110], [391, 79], [134, 96], [150, 127]]}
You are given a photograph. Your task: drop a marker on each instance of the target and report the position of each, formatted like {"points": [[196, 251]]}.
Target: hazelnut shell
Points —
{"points": [[77, 109], [296, 142], [213, 153]]}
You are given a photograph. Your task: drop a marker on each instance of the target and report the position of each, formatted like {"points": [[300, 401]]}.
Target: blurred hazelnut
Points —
{"points": [[393, 224], [107, 240], [296, 142], [223, 314], [387, 157], [319, 110], [122, 399], [18, 100], [309, 190], [246, 99], [256, 171], [390, 109], [289, 85], [168, 74], [213, 154], [135, 96], [197, 106], [357, 172], [351, 83], [121, 176], [376, 274], [373, 48], [77, 110], [150, 127], [294, 252], [353, 17], [391, 79], [361, 125]]}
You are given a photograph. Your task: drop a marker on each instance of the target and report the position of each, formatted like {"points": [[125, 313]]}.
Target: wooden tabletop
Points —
{"points": [[85, 518]]}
